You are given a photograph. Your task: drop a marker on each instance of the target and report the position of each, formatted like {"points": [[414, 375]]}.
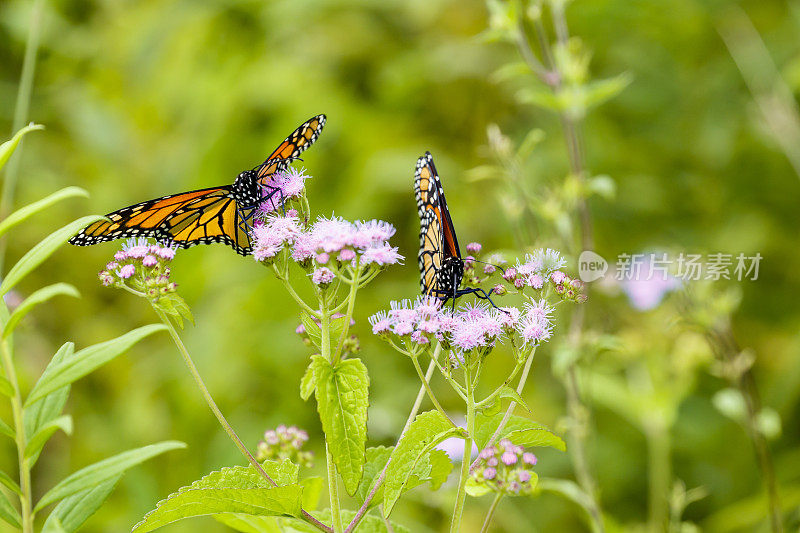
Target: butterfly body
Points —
{"points": [[440, 263], [212, 215]]}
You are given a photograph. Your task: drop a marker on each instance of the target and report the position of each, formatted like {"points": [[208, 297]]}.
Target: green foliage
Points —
{"points": [[426, 431], [230, 490], [519, 430], [8, 147], [342, 393], [71, 512], [38, 297], [24, 213]]}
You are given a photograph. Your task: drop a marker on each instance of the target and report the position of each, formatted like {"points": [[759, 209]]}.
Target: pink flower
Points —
{"points": [[164, 252], [510, 274], [529, 458], [300, 329], [487, 452], [489, 269], [489, 473], [524, 476], [346, 255], [381, 255], [380, 323], [149, 261], [536, 281], [305, 246], [126, 271], [372, 232], [323, 259], [474, 248], [403, 328], [558, 277], [509, 458], [322, 276], [332, 234], [270, 237], [403, 311], [419, 337]]}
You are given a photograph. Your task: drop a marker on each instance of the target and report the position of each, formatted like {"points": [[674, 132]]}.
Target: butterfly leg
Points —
{"points": [[482, 294]]}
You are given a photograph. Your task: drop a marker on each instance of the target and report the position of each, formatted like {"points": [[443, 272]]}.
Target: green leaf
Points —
{"points": [[37, 441], [8, 147], [43, 250], [86, 361], [45, 410], [6, 480], [309, 382], [23, 213], [6, 388], [40, 296], [312, 328], [103, 471], [7, 430], [342, 399], [312, 490], [566, 489], [249, 523], [9, 513], [441, 466], [426, 431], [601, 91], [508, 393], [518, 429], [230, 490], [70, 513], [175, 306], [376, 459]]}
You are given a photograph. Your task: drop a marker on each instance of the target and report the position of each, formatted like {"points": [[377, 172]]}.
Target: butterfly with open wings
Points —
{"points": [[440, 263], [217, 214]]}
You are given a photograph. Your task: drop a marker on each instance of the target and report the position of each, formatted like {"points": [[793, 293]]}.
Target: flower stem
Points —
{"points": [[427, 387], [461, 495], [658, 475], [351, 303], [333, 488], [490, 513], [520, 387], [414, 410], [292, 292], [25, 499]]}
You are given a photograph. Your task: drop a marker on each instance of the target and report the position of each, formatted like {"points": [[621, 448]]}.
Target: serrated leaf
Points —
{"points": [[86, 361], [9, 513], [230, 490], [42, 251], [6, 480], [510, 394], [520, 430], [40, 296], [23, 213], [311, 327], [45, 410], [6, 388], [71, 513], [103, 471], [309, 382], [249, 523], [342, 395], [426, 431], [312, 490], [8, 147], [40, 438], [441, 466]]}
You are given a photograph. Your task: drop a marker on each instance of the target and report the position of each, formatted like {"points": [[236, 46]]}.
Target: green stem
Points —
{"points": [[490, 513], [520, 387], [292, 293], [21, 113], [508, 380], [461, 495], [25, 500], [351, 303], [427, 387], [333, 488]]}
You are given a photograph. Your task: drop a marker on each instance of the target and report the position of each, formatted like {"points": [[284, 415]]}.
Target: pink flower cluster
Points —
{"points": [[327, 239], [468, 328], [505, 468], [285, 443], [145, 258], [282, 186]]}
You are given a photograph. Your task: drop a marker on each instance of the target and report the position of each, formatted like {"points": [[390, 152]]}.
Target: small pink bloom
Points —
{"points": [[347, 254], [380, 323], [126, 272], [510, 274], [536, 281], [419, 338], [149, 261], [322, 259], [487, 452], [403, 328], [509, 458], [558, 277], [524, 476], [474, 248], [300, 329], [529, 458], [322, 276], [489, 473], [489, 269], [381, 255]]}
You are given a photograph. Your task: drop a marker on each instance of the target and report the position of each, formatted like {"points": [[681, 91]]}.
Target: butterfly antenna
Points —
{"points": [[485, 263]]}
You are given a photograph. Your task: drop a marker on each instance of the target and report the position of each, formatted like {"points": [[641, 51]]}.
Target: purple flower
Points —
{"points": [[346, 255], [536, 281], [149, 261], [322, 276], [300, 329], [332, 234], [106, 278], [489, 473], [372, 232], [492, 461], [558, 277], [529, 458], [510, 274], [270, 237], [419, 337], [126, 271], [524, 476], [489, 269], [380, 323], [474, 248], [487, 452], [305, 246], [323, 258], [403, 328], [647, 290], [381, 255], [403, 311], [509, 458]]}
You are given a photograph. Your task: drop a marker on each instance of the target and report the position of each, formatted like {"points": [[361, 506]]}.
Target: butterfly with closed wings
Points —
{"points": [[440, 263], [213, 215]]}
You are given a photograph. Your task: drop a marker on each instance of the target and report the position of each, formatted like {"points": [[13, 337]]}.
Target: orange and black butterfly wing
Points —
{"points": [[183, 220], [437, 234], [291, 148]]}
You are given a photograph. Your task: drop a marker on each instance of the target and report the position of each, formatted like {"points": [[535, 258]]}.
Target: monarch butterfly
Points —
{"points": [[216, 214], [440, 264]]}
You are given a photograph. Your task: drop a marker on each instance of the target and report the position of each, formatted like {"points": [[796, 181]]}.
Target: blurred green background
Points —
{"points": [[142, 99]]}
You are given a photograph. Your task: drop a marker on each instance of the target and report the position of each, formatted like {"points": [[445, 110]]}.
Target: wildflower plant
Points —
{"points": [[37, 414], [459, 341]]}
